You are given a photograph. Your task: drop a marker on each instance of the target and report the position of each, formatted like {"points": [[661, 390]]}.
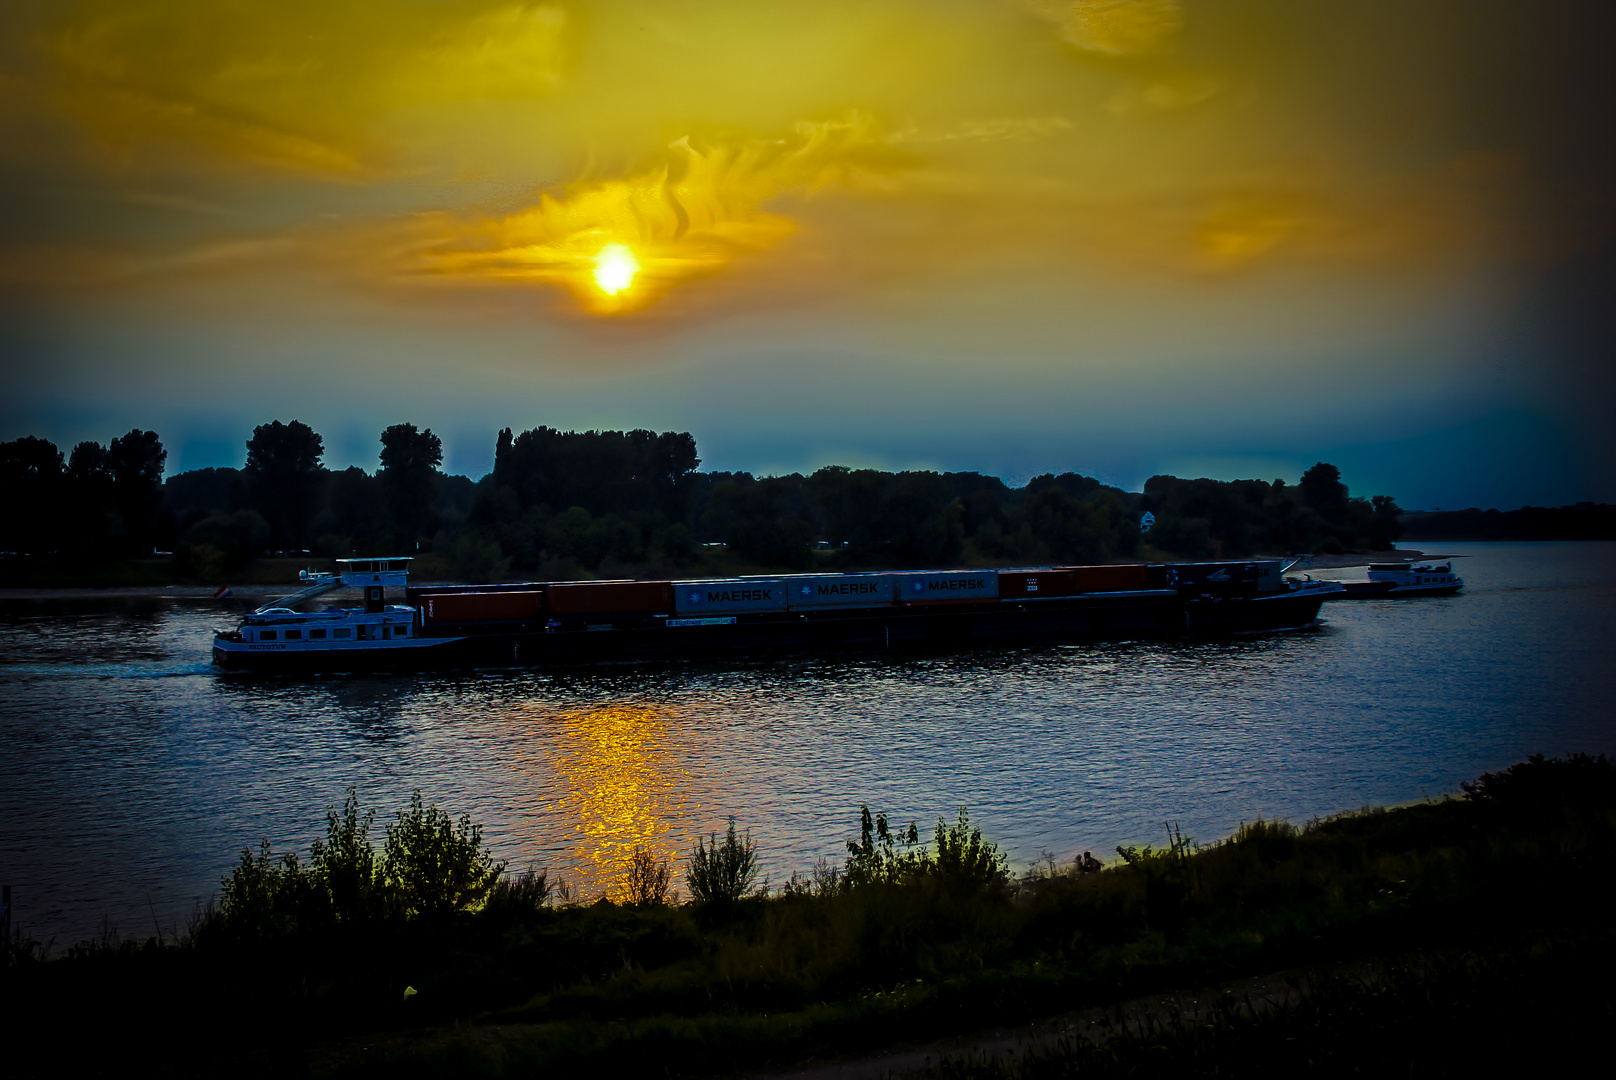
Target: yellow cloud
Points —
{"points": [[687, 216], [301, 83], [1114, 27]]}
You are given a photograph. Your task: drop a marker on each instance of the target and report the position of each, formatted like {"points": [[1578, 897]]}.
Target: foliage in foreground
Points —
{"points": [[430, 867], [901, 940]]}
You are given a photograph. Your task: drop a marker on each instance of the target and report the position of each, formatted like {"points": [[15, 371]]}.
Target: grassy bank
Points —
{"points": [[395, 959]]}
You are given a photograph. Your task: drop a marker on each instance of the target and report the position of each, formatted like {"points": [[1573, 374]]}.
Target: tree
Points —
{"points": [[410, 476], [284, 477], [134, 464], [89, 498], [1323, 490], [31, 484]]}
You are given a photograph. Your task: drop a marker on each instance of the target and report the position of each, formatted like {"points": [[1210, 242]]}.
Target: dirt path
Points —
{"points": [[1261, 993]]}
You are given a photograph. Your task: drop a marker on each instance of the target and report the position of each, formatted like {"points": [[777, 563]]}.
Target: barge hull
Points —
{"points": [[671, 638]]}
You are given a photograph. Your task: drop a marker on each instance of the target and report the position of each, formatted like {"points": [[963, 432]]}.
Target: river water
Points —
{"points": [[132, 772]]}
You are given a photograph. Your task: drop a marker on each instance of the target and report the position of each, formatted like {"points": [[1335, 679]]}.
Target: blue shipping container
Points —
{"points": [[944, 586], [728, 596], [839, 590]]}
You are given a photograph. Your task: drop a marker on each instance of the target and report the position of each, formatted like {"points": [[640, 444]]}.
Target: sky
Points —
{"points": [[1222, 238]]}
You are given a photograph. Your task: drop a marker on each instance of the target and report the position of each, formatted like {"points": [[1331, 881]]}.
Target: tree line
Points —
{"points": [[567, 504]]}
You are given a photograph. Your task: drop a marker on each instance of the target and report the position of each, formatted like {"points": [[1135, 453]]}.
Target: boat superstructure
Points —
{"points": [[337, 634], [1427, 577], [585, 622]]}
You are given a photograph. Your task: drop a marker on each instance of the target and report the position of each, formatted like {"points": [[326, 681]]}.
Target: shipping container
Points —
{"points": [[948, 586], [726, 597], [1123, 578], [839, 590], [480, 607], [1035, 584], [1270, 575], [583, 598], [1215, 578]]}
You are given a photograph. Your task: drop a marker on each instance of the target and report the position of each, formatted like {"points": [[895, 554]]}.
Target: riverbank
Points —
{"points": [[898, 945]]}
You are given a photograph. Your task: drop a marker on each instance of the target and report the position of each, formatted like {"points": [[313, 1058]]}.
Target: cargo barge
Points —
{"points": [[543, 623]]}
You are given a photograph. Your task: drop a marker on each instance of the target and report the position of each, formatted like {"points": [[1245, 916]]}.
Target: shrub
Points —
{"points": [[881, 855], [964, 858], [344, 865], [520, 894], [648, 878], [434, 865], [722, 873]]}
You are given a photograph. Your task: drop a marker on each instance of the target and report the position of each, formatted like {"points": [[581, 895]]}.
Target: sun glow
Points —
{"points": [[615, 268]]}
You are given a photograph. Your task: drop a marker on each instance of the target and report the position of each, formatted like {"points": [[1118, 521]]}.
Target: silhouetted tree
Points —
{"points": [[134, 464], [89, 499], [1323, 490], [31, 490], [410, 476], [284, 478], [1387, 524]]}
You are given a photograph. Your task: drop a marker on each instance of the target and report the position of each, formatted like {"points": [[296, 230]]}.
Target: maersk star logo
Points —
{"points": [[694, 597]]}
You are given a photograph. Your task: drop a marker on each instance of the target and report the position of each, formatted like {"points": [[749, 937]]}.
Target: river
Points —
{"points": [[132, 772]]}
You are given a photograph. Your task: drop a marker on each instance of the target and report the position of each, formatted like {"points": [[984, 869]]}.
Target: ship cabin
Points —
{"points": [[279, 626], [1424, 575]]}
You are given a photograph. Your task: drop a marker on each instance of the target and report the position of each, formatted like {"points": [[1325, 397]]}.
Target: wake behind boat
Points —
{"points": [[540, 623]]}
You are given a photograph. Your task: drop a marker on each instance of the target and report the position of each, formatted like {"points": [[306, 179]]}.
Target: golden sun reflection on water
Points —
{"points": [[622, 786]]}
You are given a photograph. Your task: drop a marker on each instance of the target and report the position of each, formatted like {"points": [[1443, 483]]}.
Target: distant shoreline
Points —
{"points": [[205, 592]]}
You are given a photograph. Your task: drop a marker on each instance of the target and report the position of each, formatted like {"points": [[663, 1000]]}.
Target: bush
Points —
{"points": [[881, 856], [344, 866], [520, 894], [722, 873], [648, 879], [964, 858], [435, 866]]}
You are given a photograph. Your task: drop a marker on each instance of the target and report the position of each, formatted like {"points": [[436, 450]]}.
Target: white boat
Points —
{"points": [[1427, 578], [335, 633]]}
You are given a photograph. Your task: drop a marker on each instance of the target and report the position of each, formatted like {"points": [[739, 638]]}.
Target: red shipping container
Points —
{"points": [[1033, 584], [481, 607], [611, 598], [1110, 578]]}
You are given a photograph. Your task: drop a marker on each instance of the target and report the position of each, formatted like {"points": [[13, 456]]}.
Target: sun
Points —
{"points": [[615, 268]]}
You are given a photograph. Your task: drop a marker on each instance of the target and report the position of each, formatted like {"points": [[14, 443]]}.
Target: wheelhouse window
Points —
{"points": [[294, 635], [401, 631], [268, 635], [316, 635], [342, 632]]}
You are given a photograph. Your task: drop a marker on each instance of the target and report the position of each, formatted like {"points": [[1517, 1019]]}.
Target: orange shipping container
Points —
{"points": [[481, 607], [611, 598], [1109, 578]]}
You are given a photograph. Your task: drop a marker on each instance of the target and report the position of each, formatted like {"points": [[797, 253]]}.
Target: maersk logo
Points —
{"points": [[950, 585], [737, 596], [846, 588]]}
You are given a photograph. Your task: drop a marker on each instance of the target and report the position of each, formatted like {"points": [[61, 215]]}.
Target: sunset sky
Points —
{"points": [[1120, 237]]}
